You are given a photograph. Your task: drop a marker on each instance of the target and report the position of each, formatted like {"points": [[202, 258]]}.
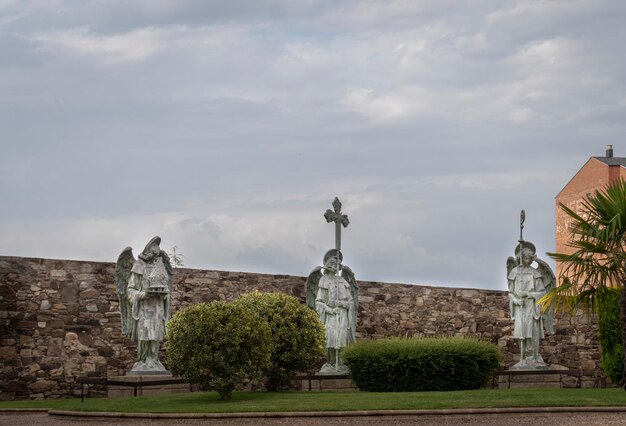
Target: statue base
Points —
{"points": [[329, 369], [150, 368], [531, 363]]}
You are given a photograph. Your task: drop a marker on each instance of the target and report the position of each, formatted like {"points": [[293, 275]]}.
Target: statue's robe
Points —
{"points": [[525, 311], [335, 306], [150, 314]]}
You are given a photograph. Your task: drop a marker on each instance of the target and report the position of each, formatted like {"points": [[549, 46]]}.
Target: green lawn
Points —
{"points": [[208, 402]]}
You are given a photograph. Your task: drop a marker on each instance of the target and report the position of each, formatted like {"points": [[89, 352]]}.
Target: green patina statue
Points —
{"points": [[333, 292], [527, 285], [144, 287]]}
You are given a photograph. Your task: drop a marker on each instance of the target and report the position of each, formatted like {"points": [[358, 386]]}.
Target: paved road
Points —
{"points": [[555, 419]]}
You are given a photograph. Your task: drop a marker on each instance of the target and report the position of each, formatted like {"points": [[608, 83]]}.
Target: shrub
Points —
{"points": [[217, 345], [421, 364], [297, 335], [610, 336]]}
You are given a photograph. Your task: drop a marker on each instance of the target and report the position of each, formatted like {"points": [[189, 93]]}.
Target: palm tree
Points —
{"points": [[598, 261]]}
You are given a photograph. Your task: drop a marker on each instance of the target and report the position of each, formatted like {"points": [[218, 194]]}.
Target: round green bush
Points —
{"points": [[297, 335], [421, 364], [218, 345]]}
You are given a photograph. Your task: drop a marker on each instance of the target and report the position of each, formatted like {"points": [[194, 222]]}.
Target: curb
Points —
{"points": [[24, 410], [363, 413]]}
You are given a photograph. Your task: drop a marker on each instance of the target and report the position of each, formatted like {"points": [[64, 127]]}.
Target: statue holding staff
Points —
{"points": [[527, 285]]}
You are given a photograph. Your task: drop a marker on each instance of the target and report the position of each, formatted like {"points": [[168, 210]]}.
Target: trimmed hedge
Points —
{"points": [[421, 364], [610, 336]]}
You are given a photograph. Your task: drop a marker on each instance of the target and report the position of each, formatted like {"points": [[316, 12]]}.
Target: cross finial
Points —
{"points": [[339, 219]]}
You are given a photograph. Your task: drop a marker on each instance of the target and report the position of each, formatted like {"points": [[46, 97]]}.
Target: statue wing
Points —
{"points": [[170, 272], [348, 275], [549, 281], [511, 263], [124, 265], [311, 285]]}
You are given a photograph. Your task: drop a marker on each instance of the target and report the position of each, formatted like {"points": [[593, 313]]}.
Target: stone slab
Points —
{"points": [[532, 379], [535, 385], [536, 381], [117, 391], [327, 384]]}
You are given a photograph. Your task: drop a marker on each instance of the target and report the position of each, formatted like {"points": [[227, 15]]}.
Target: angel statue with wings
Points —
{"points": [[144, 289], [526, 286], [333, 292]]}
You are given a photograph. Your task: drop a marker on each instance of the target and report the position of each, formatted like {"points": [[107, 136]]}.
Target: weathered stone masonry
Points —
{"points": [[59, 319]]}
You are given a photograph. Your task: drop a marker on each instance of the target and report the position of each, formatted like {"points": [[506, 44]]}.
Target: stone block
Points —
{"points": [[105, 351], [26, 325], [14, 386], [587, 383], [470, 294], [569, 382], [51, 363], [7, 374], [69, 293], [6, 396], [588, 365], [58, 273], [32, 369], [8, 353], [90, 293], [55, 347]]}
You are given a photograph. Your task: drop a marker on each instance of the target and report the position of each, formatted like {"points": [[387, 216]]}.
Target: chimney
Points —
{"points": [[609, 151]]}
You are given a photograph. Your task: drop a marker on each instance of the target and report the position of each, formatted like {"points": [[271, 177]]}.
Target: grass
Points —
{"points": [[208, 402]]}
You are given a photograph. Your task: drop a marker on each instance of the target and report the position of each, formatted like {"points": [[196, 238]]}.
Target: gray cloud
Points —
{"points": [[228, 127]]}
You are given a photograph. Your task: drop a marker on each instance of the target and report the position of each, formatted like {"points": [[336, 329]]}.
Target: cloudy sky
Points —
{"points": [[227, 128]]}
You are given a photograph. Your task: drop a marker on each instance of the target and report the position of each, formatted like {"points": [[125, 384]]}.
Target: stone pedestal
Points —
{"points": [[515, 379], [530, 381], [145, 388], [326, 382]]}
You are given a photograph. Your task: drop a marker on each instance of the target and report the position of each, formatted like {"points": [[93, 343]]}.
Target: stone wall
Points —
{"points": [[59, 319]]}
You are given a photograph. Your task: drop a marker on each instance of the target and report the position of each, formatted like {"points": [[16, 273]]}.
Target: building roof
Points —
{"points": [[612, 161], [609, 161]]}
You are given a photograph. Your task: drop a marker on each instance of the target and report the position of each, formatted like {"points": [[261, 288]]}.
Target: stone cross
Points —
{"points": [[339, 219]]}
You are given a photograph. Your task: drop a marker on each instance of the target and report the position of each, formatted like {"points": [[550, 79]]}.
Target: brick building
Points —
{"points": [[593, 175]]}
